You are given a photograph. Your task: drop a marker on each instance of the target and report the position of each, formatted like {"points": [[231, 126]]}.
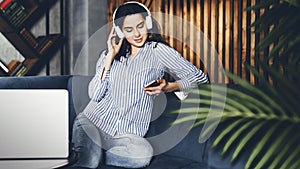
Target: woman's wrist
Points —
{"points": [[108, 60], [171, 86]]}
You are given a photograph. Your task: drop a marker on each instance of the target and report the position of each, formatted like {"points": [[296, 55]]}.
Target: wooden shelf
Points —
{"points": [[16, 18]]}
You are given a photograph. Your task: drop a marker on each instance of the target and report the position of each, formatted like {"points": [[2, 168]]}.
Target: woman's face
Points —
{"points": [[135, 30]]}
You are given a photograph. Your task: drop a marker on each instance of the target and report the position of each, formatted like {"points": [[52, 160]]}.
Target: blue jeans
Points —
{"points": [[93, 147]]}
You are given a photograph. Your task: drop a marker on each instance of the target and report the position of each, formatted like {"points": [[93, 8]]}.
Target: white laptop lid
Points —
{"points": [[34, 123]]}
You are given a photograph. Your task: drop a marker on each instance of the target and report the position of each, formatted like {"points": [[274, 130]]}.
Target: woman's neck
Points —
{"points": [[134, 51]]}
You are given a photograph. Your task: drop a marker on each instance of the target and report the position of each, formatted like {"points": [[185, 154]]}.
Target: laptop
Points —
{"points": [[33, 125]]}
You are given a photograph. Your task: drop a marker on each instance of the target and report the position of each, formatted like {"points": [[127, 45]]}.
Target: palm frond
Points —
{"points": [[263, 4], [255, 90], [293, 156], [288, 146], [226, 131], [245, 140], [294, 2], [286, 99], [273, 147], [236, 134], [260, 145]]}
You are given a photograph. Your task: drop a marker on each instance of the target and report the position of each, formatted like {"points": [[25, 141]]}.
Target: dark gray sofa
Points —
{"points": [[188, 153]]}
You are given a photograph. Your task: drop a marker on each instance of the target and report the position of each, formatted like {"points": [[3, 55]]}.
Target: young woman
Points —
{"points": [[117, 118]]}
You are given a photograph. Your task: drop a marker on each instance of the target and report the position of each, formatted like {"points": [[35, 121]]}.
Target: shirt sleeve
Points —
{"points": [[98, 87], [188, 75]]}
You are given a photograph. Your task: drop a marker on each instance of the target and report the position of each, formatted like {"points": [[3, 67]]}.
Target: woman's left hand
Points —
{"points": [[156, 90]]}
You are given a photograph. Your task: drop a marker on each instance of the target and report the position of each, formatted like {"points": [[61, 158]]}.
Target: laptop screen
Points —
{"points": [[34, 124]]}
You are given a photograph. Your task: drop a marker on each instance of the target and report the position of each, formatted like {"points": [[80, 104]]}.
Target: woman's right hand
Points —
{"points": [[113, 47]]}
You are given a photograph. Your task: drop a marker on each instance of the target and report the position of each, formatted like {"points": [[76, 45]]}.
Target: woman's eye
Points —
{"points": [[141, 26], [128, 30]]}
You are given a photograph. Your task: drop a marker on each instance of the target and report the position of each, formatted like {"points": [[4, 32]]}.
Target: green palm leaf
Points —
{"points": [[273, 148], [263, 4], [209, 129], [243, 143], [293, 156], [284, 152], [262, 143], [285, 101], [235, 136], [226, 131], [277, 31], [255, 90], [291, 91]]}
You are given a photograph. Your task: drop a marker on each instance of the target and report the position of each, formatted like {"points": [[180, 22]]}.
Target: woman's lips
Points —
{"points": [[138, 40]]}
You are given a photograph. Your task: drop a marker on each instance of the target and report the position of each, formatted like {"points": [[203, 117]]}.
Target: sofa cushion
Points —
{"points": [[167, 162], [171, 162], [179, 140]]}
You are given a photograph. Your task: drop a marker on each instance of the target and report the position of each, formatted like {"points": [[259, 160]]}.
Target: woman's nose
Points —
{"points": [[136, 33]]}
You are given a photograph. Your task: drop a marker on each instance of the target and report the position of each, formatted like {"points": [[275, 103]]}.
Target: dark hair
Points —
{"points": [[129, 9]]}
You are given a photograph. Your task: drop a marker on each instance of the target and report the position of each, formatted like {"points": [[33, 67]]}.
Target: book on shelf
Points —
{"points": [[3, 69], [19, 70], [18, 20], [14, 12], [30, 38], [12, 65], [45, 42], [4, 4], [9, 9]]}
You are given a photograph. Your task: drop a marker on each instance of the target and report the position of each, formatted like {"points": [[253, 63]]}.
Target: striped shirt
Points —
{"points": [[119, 103]]}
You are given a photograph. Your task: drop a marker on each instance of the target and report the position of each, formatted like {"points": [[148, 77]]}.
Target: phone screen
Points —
{"points": [[152, 84]]}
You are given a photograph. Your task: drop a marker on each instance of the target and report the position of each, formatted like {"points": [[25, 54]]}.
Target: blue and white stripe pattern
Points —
{"points": [[119, 103]]}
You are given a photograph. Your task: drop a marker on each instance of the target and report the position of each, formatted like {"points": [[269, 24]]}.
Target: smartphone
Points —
{"points": [[117, 40], [152, 84]]}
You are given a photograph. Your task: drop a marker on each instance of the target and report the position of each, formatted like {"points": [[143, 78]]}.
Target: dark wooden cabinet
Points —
{"points": [[16, 19]]}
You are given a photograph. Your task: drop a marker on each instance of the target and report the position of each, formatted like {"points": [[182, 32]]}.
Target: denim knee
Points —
{"points": [[133, 152], [114, 157]]}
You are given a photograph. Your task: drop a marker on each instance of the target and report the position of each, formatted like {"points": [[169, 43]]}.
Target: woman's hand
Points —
{"points": [[156, 90], [113, 47]]}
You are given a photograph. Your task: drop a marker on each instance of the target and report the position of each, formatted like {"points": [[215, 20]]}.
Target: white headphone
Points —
{"points": [[148, 19]]}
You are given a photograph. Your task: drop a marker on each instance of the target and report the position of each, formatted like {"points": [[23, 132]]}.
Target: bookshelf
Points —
{"points": [[16, 19]]}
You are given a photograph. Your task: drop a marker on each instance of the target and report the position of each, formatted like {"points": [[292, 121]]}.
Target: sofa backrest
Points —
{"points": [[78, 89], [34, 82]]}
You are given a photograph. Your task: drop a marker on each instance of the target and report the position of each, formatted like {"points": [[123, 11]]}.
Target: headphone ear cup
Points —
{"points": [[148, 22], [119, 32]]}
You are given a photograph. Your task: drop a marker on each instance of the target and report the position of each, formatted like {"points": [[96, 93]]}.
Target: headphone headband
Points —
{"points": [[148, 18]]}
